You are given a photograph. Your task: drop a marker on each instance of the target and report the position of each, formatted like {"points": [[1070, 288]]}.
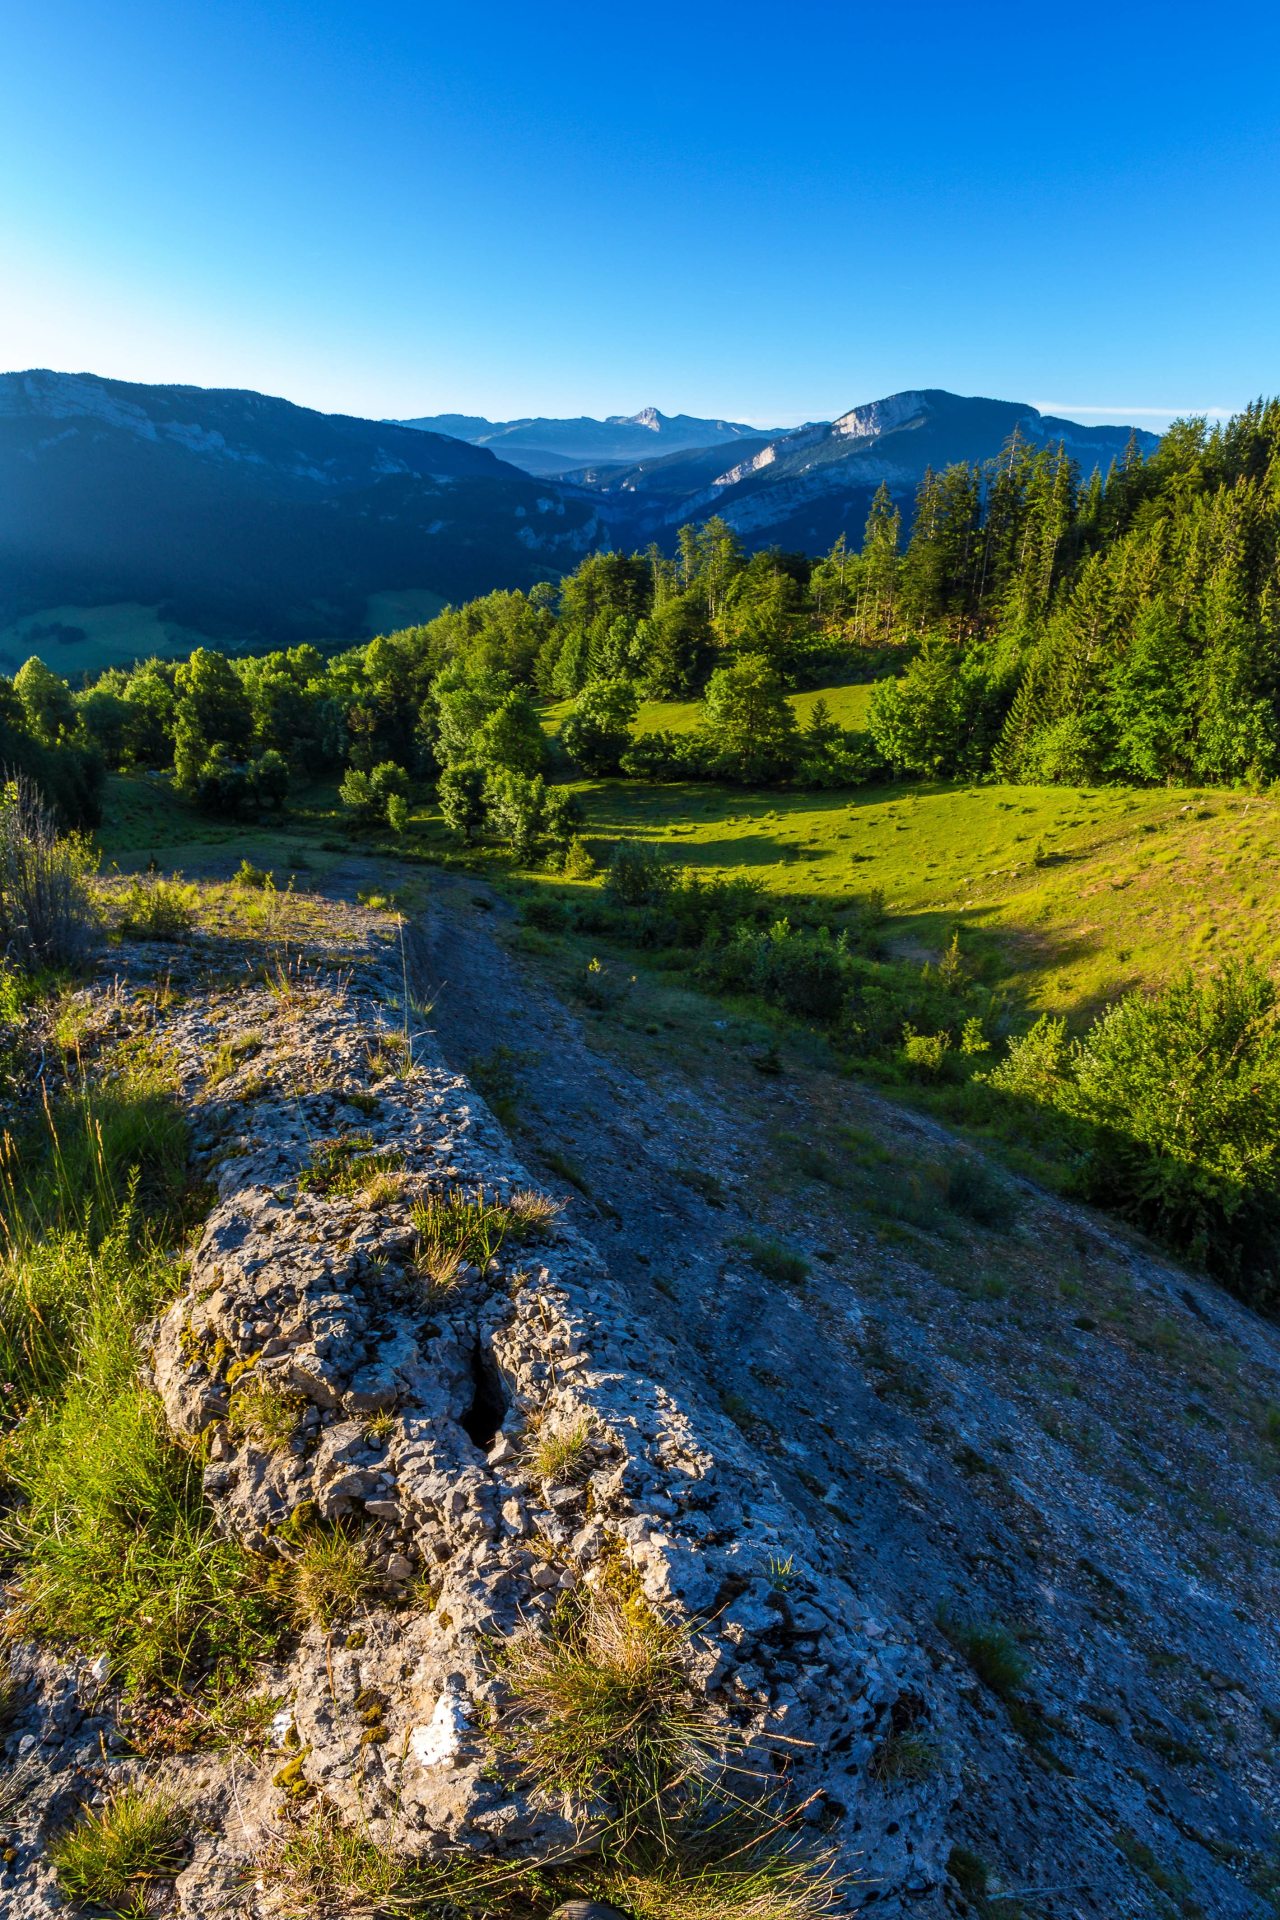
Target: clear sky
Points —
{"points": [[767, 212]]}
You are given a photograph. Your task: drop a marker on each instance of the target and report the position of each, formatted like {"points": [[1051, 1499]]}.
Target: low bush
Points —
{"points": [[1172, 1101], [46, 916], [156, 909]]}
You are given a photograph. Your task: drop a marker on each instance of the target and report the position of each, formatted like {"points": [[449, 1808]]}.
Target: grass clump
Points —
{"points": [[351, 1166], [496, 1075], [908, 1757], [604, 1703], [743, 1865], [992, 1652], [116, 1552], [115, 1852], [561, 1455], [457, 1229], [776, 1262], [331, 1872], [327, 1577], [268, 1414], [973, 1190]]}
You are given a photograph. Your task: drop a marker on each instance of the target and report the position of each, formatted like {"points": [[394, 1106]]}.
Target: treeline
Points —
{"points": [[1034, 627], [1125, 630]]}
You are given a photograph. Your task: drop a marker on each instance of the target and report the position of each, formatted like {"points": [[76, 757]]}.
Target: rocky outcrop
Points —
{"points": [[411, 1401]]}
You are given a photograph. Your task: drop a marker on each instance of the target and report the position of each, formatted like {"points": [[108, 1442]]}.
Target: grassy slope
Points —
{"points": [[117, 635], [1132, 885], [114, 636]]}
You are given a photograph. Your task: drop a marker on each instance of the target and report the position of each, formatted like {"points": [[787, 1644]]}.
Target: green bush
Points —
{"points": [[1173, 1099], [1183, 1091]]}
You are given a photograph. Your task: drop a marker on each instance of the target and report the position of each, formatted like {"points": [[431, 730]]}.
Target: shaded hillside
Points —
{"points": [[244, 515]]}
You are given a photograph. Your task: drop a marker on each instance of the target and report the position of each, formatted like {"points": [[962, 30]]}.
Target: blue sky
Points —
{"points": [[764, 212]]}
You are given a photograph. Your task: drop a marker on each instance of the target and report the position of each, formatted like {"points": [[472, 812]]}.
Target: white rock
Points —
{"points": [[439, 1742]]}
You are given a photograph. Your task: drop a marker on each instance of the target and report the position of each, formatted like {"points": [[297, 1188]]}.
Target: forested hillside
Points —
{"points": [[1036, 625]]}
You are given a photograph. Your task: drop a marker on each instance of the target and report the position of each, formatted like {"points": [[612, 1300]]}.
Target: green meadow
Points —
{"points": [[1086, 892]]}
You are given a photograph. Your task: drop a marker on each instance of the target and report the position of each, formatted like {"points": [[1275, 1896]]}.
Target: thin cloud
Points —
{"points": [[1067, 408]]}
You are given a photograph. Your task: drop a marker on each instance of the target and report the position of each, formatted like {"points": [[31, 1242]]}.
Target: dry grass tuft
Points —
{"points": [[327, 1578], [265, 1413], [603, 1702], [561, 1455]]}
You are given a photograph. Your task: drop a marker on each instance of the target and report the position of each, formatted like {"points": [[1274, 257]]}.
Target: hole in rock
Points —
{"points": [[483, 1418]]}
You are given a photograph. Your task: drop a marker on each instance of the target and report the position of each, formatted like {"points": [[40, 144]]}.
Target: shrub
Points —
{"points": [[578, 863], [1183, 1087], [115, 1852], [638, 876], [1035, 1066], [156, 909], [924, 1055], [1174, 1101], [368, 795], [46, 918]]}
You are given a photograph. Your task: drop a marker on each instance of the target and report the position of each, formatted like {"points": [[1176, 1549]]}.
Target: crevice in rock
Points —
{"points": [[482, 1421]]}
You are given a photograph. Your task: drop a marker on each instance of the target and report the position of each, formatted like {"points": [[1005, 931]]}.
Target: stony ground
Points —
{"points": [[1048, 1428], [849, 1430]]}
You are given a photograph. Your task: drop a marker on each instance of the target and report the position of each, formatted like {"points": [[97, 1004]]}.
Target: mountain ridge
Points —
{"points": [[242, 513], [246, 519], [553, 447]]}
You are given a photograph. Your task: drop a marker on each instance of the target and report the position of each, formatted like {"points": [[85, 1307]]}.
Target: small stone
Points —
{"points": [[399, 1568], [503, 1449], [545, 1577], [382, 1509]]}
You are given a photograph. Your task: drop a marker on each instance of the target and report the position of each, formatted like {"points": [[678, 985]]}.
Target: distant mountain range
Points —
{"points": [[802, 488], [183, 512], [553, 447], [249, 519]]}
